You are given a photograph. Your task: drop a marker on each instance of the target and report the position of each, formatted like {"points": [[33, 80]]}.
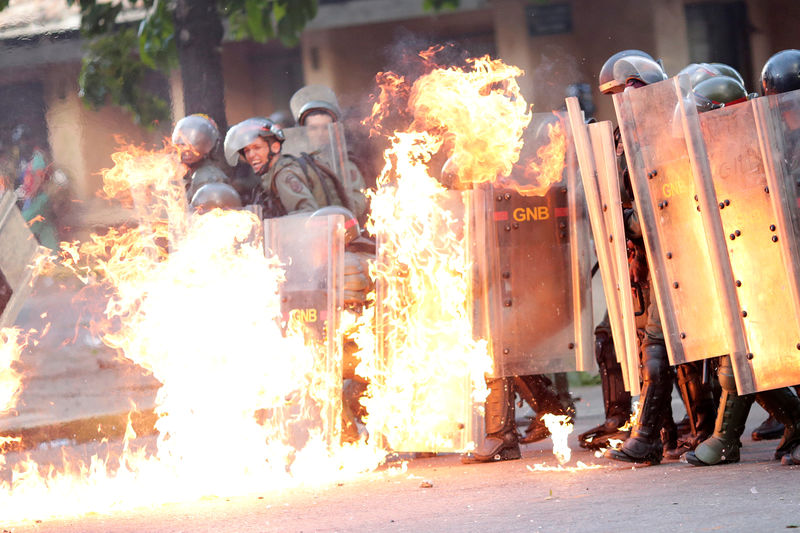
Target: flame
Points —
{"points": [[195, 301], [12, 342], [560, 426], [541, 174]]}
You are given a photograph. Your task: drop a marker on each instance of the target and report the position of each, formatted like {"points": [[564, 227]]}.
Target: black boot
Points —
{"points": [[724, 444], [769, 429], [698, 399], [785, 407], [617, 401], [644, 444], [501, 442], [541, 395]]}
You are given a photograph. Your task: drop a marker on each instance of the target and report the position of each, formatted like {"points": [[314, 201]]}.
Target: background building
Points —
{"points": [[557, 43]]}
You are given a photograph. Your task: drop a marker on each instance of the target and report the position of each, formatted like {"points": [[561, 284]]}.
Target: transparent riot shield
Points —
{"points": [[428, 357], [538, 271], [326, 143], [678, 213], [594, 144], [751, 148], [19, 250], [312, 252]]}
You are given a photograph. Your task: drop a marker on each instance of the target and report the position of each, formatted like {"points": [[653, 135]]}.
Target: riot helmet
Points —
{"points": [[727, 70], [352, 230], [698, 72], [718, 91], [203, 175], [216, 195], [781, 72], [638, 69], [198, 132], [313, 99], [607, 82], [244, 133]]}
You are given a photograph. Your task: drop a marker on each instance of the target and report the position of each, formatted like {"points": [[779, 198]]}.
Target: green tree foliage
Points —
{"points": [[120, 55]]}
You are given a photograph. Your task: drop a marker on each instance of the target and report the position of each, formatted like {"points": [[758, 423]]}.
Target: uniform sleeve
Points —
{"points": [[293, 191]]}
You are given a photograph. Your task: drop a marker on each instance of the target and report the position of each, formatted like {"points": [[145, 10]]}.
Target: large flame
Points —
{"points": [[194, 300]]}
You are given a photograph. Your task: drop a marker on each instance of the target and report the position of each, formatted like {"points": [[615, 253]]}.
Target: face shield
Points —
{"points": [[631, 69], [247, 131]]}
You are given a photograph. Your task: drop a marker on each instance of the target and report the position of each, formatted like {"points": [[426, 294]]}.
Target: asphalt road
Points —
{"points": [[757, 494]]}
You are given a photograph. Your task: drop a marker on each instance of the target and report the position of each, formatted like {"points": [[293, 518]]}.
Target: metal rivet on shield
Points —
{"points": [[507, 227], [507, 303], [506, 275], [727, 202], [744, 313], [683, 335], [505, 350], [571, 345], [695, 197], [669, 255], [508, 196], [737, 233], [738, 283], [772, 227], [798, 346], [732, 236], [562, 234], [610, 238], [675, 285], [749, 356], [562, 225], [766, 190], [499, 197], [649, 175], [516, 225], [774, 238], [563, 190], [605, 207], [721, 205]]}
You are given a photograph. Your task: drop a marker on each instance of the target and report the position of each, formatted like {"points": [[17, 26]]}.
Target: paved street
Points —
{"points": [[82, 384]]}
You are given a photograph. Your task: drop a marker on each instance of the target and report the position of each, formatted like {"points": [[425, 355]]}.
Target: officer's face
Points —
{"points": [[257, 155], [189, 155], [318, 129]]}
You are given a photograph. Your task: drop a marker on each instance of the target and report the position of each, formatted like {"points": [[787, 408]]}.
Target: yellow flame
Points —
{"points": [[560, 426], [12, 342]]}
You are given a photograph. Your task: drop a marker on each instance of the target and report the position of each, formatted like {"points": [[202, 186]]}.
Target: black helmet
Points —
{"points": [[781, 72], [213, 195], [199, 131], [247, 131], [718, 91], [727, 70], [698, 72], [608, 83]]}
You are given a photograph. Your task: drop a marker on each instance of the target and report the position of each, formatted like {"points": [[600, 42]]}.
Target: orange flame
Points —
{"points": [[541, 174]]}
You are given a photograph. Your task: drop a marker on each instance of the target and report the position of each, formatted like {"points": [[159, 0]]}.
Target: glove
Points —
{"points": [[357, 283]]}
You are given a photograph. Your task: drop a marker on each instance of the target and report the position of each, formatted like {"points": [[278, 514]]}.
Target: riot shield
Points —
{"points": [[326, 143], [594, 145], [689, 268], [752, 151], [19, 250], [538, 271], [425, 346], [312, 252]]}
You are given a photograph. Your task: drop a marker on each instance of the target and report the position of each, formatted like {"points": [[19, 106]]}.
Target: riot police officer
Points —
{"points": [[286, 186], [196, 136], [621, 71], [316, 106], [781, 73]]}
